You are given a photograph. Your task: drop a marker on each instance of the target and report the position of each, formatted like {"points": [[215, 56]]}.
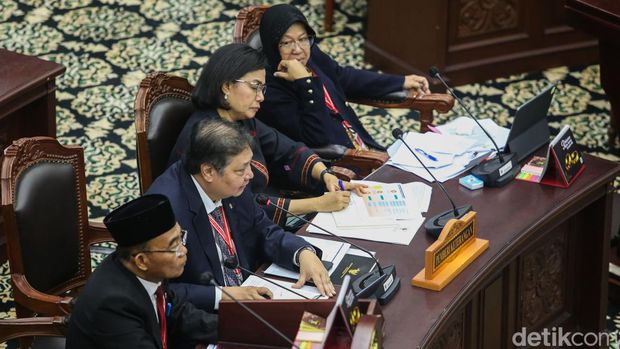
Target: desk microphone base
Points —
{"points": [[497, 173], [435, 224], [374, 285]]}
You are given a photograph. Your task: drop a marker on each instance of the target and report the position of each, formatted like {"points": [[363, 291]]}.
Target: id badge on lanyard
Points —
{"points": [[224, 232]]}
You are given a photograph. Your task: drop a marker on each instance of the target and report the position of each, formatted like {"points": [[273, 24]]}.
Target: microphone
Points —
{"points": [[435, 224], [233, 263], [381, 284], [206, 278], [496, 172]]}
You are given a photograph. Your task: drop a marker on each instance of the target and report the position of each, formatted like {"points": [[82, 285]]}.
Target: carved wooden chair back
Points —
{"points": [[162, 106]]}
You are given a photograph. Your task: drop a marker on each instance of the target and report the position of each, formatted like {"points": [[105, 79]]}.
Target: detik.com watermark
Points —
{"points": [[556, 337]]}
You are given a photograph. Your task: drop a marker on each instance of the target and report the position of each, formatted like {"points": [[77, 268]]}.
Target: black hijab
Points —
{"points": [[275, 22]]}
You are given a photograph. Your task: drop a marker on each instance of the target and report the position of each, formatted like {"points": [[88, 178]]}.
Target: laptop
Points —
{"points": [[530, 128]]}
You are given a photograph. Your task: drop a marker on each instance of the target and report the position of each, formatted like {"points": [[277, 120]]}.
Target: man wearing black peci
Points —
{"points": [[126, 303]]}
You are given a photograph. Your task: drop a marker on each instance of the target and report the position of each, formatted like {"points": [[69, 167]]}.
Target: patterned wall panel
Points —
{"points": [[453, 337], [477, 17], [543, 274]]}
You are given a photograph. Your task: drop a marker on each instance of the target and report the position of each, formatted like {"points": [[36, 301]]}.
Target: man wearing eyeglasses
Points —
{"points": [[209, 193], [126, 303]]}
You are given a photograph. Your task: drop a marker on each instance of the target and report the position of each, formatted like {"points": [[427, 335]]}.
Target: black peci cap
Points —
{"points": [[140, 220]]}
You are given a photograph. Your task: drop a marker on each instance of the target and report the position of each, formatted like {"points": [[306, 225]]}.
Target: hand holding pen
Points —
{"points": [[332, 183]]}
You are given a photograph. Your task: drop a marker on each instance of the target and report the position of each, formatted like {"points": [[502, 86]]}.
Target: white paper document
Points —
{"points": [[461, 164], [465, 126], [460, 146], [401, 234], [390, 213], [333, 251], [310, 292]]}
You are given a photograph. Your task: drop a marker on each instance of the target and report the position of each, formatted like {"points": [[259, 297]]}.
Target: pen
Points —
{"points": [[434, 129], [428, 156]]}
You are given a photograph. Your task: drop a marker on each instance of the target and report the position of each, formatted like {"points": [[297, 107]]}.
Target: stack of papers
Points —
{"points": [[333, 252], [310, 292], [346, 261], [391, 213], [459, 146]]}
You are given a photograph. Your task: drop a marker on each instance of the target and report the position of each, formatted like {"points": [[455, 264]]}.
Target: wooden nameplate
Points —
{"points": [[456, 247]]}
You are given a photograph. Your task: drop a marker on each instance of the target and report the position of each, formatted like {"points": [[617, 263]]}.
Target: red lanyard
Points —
{"points": [[224, 232], [355, 138], [329, 102]]}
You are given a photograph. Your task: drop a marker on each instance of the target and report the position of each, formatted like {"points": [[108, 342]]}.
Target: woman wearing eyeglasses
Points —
{"points": [[231, 86], [308, 90]]}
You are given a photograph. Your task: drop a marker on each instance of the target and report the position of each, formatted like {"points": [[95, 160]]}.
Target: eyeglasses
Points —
{"points": [[256, 86], [176, 250], [302, 43]]}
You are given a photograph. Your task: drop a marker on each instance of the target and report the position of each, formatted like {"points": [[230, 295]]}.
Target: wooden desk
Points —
{"points": [[602, 18], [27, 102], [546, 265]]}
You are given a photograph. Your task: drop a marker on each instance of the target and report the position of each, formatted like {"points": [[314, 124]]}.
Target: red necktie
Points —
{"points": [[161, 314]]}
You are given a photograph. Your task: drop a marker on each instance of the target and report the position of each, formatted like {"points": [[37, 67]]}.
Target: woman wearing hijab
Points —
{"points": [[231, 86], [308, 90]]}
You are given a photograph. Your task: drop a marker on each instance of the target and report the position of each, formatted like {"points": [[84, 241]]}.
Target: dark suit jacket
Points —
{"points": [[298, 109], [277, 161], [115, 311], [257, 239]]}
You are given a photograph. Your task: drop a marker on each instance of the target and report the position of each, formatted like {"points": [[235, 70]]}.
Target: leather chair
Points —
{"points": [[361, 162], [46, 223], [162, 106], [48, 332]]}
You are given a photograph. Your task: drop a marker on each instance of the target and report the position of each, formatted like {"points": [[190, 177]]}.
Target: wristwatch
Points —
{"points": [[322, 174]]}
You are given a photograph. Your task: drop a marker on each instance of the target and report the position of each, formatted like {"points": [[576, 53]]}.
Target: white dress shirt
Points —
{"points": [[211, 206], [151, 289]]}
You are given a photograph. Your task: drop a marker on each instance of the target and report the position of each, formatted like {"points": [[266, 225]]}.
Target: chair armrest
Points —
{"points": [[39, 302], [343, 173], [97, 232], [362, 162], [441, 102], [33, 326], [330, 151], [348, 164], [425, 104]]}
